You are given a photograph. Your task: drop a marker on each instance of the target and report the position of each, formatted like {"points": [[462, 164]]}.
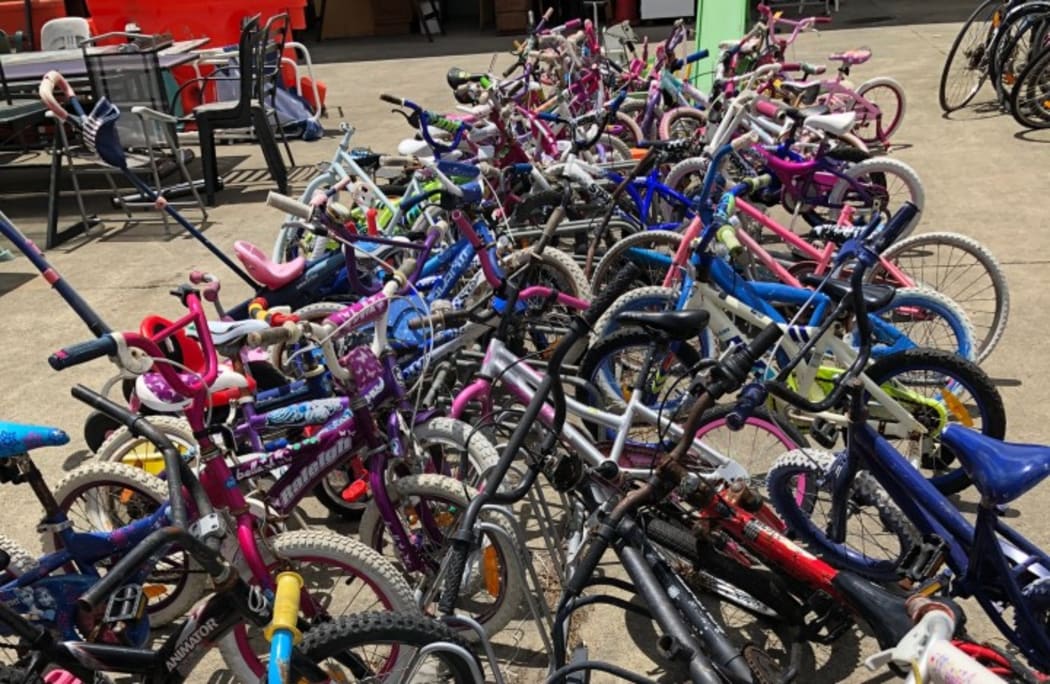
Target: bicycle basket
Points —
{"points": [[100, 133]]}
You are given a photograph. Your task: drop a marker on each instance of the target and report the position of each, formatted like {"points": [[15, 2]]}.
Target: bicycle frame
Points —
{"points": [[521, 381], [988, 558]]}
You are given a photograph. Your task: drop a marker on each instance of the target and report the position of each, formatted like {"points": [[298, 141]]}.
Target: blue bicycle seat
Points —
{"points": [[18, 439], [1001, 471]]}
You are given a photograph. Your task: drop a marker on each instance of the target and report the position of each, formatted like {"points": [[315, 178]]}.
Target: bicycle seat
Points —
{"points": [[225, 332], [805, 91], [265, 271], [155, 392], [1001, 471], [16, 439], [671, 325], [836, 124], [875, 296], [457, 77], [414, 147], [883, 610], [851, 57]]}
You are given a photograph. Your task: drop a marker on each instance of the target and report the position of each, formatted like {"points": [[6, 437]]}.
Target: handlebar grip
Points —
{"points": [[622, 282], [735, 368], [399, 101], [457, 566], [442, 319], [767, 108], [82, 352], [511, 69], [289, 205], [286, 606], [726, 234], [751, 397], [572, 25], [897, 224], [289, 332]]}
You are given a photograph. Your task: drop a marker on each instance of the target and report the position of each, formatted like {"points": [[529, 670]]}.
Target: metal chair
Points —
{"points": [[64, 33], [129, 76]]}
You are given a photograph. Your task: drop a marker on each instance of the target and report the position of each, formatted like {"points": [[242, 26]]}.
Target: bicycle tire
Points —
{"points": [[880, 171], [149, 491], [333, 641], [681, 123], [964, 376], [865, 496], [885, 125], [446, 490], [1030, 95], [344, 560], [930, 320], [428, 436], [615, 258], [978, 63], [946, 274], [1015, 24]]}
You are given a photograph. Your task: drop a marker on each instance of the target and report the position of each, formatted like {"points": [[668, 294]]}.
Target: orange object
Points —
{"points": [[219, 20], [355, 491], [308, 93], [13, 16], [370, 217], [637, 153]]}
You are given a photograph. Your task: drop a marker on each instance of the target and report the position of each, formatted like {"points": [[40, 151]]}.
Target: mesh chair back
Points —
{"points": [[129, 77]]}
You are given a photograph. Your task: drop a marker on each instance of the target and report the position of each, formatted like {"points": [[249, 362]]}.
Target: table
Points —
{"points": [[28, 68]]}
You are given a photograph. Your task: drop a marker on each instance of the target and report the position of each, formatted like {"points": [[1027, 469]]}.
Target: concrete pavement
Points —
{"points": [[981, 178]]}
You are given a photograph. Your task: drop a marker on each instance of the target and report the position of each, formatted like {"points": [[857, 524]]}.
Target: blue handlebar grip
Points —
{"points": [[697, 56], [548, 116], [82, 352], [280, 657], [459, 169], [751, 397]]}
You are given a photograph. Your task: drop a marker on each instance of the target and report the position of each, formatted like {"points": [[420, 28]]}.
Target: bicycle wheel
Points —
{"points": [[612, 367], [138, 452], [936, 388], [1021, 34], [958, 267], [650, 250], [429, 507], [879, 535], [930, 320], [453, 447], [888, 97], [341, 577], [878, 184], [681, 123], [380, 647], [1030, 95], [104, 496], [966, 66], [21, 562]]}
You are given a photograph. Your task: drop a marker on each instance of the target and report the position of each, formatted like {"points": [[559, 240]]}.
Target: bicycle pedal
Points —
{"points": [[125, 604], [924, 560], [824, 433]]}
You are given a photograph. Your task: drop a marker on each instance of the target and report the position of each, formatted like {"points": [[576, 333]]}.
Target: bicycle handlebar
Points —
{"points": [[677, 64], [83, 352], [283, 631], [286, 332], [289, 205]]}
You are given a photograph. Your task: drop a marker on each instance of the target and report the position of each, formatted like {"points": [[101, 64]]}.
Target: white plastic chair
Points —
{"points": [[64, 33]]}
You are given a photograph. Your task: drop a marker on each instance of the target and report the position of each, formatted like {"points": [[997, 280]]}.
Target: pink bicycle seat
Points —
{"points": [[852, 57], [264, 270]]}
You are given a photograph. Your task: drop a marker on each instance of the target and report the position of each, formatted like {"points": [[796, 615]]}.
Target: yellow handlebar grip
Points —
{"points": [[727, 236], [286, 606]]}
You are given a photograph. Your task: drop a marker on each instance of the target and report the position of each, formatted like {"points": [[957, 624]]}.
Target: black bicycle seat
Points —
{"points": [[457, 77], [882, 610], [670, 325], [875, 296]]}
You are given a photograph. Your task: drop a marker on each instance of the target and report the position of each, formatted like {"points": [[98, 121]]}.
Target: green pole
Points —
{"points": [[716, 21]]}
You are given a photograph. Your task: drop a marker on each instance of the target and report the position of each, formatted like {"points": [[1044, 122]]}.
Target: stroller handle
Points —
{"points": [[47, 93]]}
